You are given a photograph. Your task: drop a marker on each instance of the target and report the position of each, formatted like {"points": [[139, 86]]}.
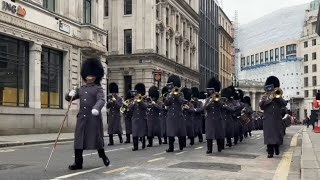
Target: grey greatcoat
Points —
{"points": [[139, 118], [89, 129], [226, 115], [236, 117], [189, 119], [154, 120], [272, 124], [128, 121], [198, 117], [114, 118], [163, 120], [175, 122], [214, 122], [249, 112]]}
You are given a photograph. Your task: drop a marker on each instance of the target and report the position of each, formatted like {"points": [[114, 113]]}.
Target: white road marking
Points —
{"points": [[90, 154], [7, 150], [117, 170], [78, 173], [181, 152], [159, 154], [157, 159], [199, 147]]}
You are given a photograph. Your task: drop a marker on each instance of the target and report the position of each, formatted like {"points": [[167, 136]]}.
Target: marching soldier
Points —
{"points": [[214, 123], [175, 121], [248, 110], [154, 116], [188, 114], [127, 119], [139, 117], [89, 128], [242, 127], [272, 106], [236, 114], [114, 119], [198, 113], [164, 112], [227, 111]]}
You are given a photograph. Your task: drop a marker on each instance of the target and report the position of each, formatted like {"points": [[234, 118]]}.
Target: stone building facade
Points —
{"points": [[147, 37], [42, 45]]}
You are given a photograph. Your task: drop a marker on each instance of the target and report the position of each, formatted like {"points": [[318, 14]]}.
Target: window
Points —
{"points": [[177, 23], [14, 68], [266, 56], [306, 82], [271, 55], [282, 53], [191, 34], [167, 48], [106, 7], [157, 10], [257, 58], [314, 80], [107, 42], [306, 44], [127, 41], [87, 11], [291, 49], [314, 56], [314, 93], [177, 52], [314, 68], [49, 4], [261, 57], [305, 57], [51, 78], [248, 60], [184, 29], [305, 69], [157, 42], [277, 54], [306, 93], [252, 60], [314, 42], [127, 7], [243, 63], [167, 17]]}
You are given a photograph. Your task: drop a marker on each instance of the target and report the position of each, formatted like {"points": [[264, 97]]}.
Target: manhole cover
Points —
{"points": [[10, 166], [235, 155], [208, 166]]}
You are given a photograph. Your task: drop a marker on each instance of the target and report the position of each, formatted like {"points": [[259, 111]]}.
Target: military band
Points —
{"points": [[178, 113]]}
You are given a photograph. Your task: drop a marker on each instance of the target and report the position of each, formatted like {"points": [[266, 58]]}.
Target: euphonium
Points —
{"points": [[175, 91], [277, 93], [215, 97]]}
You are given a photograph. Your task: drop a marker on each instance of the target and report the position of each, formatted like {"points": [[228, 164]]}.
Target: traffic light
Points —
{"points": [[315, 104]]}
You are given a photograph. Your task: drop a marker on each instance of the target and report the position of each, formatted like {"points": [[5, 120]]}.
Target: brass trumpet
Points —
{"points": [[277, 93], [215, 97], [125, 105], [139, 98], [175, 91]]}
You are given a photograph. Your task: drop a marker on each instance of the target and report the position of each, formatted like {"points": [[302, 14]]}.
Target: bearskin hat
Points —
{"points": [[140, 88], [164, 90], [214, 83], [175, 80], [240, 94], [92, 67], [113, 88], [226, 92], [195, 92], [202, 95], [187, 93], [247, 100], [273, 80], [153, 92]]}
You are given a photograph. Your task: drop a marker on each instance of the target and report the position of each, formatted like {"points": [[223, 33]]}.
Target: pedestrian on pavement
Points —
{"points": [[154, 116], [272, 124], [175, 122], [188, 114], [307, 121], [127, 117], [89, 128], [164, 112], [114, 118], [139, 109], [198, 106], [214, 123], [313, 117]]}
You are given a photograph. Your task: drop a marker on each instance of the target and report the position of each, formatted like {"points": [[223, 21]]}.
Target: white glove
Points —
{"points": [[72, 93], [95, 112]]}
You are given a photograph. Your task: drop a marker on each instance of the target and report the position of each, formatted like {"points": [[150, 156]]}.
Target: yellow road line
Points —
{"points": [[116, 170], [284, 165], [157, 159]]}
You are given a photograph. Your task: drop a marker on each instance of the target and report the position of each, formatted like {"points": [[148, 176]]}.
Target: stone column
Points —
{"points": [[35, 76], [114, 33], [254, 101]]}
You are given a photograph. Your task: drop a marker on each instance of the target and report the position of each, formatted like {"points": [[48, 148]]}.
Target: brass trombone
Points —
{"points": [[277, 93], [139, 98]]}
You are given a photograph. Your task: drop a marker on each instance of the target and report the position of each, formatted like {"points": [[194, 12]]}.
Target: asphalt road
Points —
{"points": [[246, 161]]}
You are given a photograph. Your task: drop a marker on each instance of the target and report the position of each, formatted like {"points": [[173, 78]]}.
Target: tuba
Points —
{"points": [[277, 93]]}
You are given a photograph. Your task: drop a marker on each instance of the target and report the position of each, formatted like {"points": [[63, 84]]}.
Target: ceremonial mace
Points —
{"points": [[65, 117]]}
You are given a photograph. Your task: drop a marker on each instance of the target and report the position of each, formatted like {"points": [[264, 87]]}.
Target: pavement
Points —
{"points": [[310, 156], [245, 161]]}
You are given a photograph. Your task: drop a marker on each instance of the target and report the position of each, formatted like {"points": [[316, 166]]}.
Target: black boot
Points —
{"points": [[103, 156], [235, 140], [191, 141], [184, 140], [128, 139], [222, 143], [200, 138], [209, 146], [270, 150], [110, 140], [229, 142], [160, 140], [276, 149], [250, 133], [181, 143], [171, 144], [120, 138], [241, 138], [150, 142], [135, 143], [165, 140], [78, 160], [143, 142], [219, 145]]}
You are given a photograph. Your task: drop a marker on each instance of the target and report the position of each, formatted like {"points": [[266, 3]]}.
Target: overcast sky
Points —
{"points": [[249, 10]]}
